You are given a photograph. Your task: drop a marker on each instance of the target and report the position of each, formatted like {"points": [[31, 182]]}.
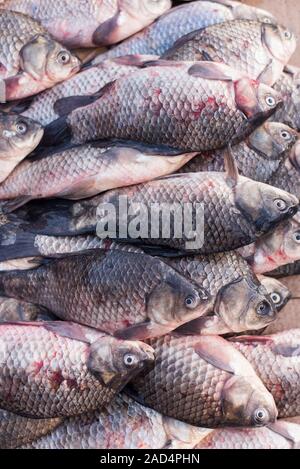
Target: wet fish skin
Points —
{"points": [[19, 137], [288, 86], [238, 300], [140, 297], [62, 369], [16, 430], [218, 392], [161, 35], [31, 60], [85, 83], [280, 435], [258, 157], [260, 50], [124, 424], [275, 249], [156, 105], [233, 217], [85, 171], [276, 360], [95, 22]]}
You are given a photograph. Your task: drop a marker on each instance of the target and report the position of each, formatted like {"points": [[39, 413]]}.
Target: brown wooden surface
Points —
{"points": [[288, 12]]}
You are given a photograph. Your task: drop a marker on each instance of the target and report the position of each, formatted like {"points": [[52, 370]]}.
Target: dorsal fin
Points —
{"points": [[232, 172], [214, 71]]}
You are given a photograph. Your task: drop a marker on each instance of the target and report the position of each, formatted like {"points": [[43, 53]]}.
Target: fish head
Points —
{"points": [[264, 206], [241, 11], [245, 305], [272, 140], [18, 134], [256, 100], [176, 300], [278, 292], [115, 362], [146, 8], [280, 42], [246, 402], [48, 61]]}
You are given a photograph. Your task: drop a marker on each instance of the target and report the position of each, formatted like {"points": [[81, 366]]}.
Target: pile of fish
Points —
{"points": [[142, 339]]}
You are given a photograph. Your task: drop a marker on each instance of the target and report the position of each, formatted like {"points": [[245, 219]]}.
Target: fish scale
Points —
{"points": [[288, 86]]}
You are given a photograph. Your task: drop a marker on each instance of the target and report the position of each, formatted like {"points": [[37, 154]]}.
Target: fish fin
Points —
{"points": [[2, 91], [133, 393], [163, 63], [16, 243], [57, 132], [206, 325], [148, 149], [134, 60], [65, 106], [288, 430], [141, 331], [213, 71], [266, 75], [160, 251], [286, 350], [252, 339], [71, 330], [221, 354], [232, 172], [9, 206], [104, 34]]}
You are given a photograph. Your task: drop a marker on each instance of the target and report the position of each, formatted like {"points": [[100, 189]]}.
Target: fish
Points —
{"points": [[258, 157], [161, 35], [127, 294], [93, 22], [186, 106], [260, 50], [275, 359], [286, 270], [288, 173], [47, 106], [239, 301], [16, 430], [288, 85], [279, 435], [30, 59], [122, 424], [236, 210], [275, 249], [84, 171], [204, 382], [19, 136], [13, 310], [55, 369]]}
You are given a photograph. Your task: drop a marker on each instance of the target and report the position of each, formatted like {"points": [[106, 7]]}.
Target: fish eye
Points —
{"points": [[285, 135], [191, 301], [270, 100], [276, 298], [263, 309], [129, 360], [287, 34], [21, 127], [64, 57], [266, 20], [260, 415], [280, 204], [296, 237]]}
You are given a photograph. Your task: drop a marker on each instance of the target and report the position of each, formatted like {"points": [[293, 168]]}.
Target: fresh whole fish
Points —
{"points": [[186, 106], [46, 107], [258, 157], [85, 171], [288, 85], [123, 424], [63, 369], [16, 430], [93, 22], [236, 210], [161, 35], [30, 60], [275, 249], [276, 360], [204, 382], [128, 294], [260, 50], [19, 136], [239, 301], [279, 435]]}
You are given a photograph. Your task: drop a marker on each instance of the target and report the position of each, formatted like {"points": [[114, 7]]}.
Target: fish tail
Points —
{"points": [[16, 243]]}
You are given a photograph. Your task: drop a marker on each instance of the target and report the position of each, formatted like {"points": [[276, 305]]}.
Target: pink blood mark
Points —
{"points": [[36, 367], [72, 383], [56, 378]]}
